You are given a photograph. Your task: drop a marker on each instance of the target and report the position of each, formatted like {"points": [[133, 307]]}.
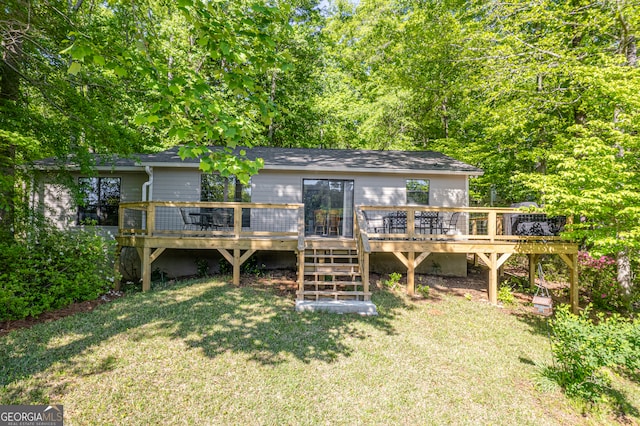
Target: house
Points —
{"points": [[321, 179], [334, 215]]}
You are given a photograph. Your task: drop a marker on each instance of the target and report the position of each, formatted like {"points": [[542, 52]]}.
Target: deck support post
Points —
{"points": [[493, 279], [300, 274], [365, 277], [146, 269], [533, 261], [411, 269], [236, 266], [572, 262]]}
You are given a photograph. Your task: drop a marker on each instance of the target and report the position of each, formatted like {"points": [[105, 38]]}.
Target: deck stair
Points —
{"points": [[332, 273]]}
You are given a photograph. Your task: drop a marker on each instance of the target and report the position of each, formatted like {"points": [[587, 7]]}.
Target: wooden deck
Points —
{"points": [[489, 234]]}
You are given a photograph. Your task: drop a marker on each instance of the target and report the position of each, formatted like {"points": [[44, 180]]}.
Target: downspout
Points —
{"points": [[148, 185], [147, 188]]}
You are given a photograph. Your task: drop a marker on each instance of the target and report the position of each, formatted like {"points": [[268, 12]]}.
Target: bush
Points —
{"points": [[505, 295], [583, 349], [599, 277], [423, 290], [49, 269], [394, 280]]}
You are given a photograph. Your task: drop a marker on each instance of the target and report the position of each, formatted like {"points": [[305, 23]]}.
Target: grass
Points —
{"points": [[207, 352]]}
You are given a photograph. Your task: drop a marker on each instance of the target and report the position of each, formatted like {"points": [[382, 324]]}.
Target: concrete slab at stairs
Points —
{"points": [[337, 306]]}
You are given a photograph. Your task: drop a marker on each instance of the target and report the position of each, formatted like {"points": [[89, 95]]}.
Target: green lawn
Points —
{"points": [[211, 353]]}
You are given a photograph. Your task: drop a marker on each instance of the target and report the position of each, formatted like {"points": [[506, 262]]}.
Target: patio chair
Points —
{"points": [[189, 222], [320, 222], [397, 222], [334, 223], [374, 226], [427, 222], [452, 225]]}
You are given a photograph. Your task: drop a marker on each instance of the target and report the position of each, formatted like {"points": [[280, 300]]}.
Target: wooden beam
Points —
{"points": [[411, 268], [533, 260], [567, 259], [402, 258], [156, 253], [146, 269], [503, 258], [225, 253], [301, 274], [365, 277], [236, 267], [421, 258], [485, 259], [493, 279], [247, 254]]}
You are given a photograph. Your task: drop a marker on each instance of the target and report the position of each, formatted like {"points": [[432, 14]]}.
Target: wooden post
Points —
{"points": [[533, 260], [411, 267], [237, 223], [301, 274], [411, 225], [493, 279], [146, 269], [151, 219], [573, 289], [236, 266], [365, 277], [491, 226]]}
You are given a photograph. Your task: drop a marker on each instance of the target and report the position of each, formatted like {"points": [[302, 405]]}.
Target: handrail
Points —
{"points": [[494, 221], [150, 227]]}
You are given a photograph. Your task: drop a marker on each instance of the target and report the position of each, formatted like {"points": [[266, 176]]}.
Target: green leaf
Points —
{"points": [[74, 68], [120, 72]]}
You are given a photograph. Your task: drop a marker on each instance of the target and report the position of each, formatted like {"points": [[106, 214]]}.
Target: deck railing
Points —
{"points": [[459, 223], [209, 219], [255, 220]]}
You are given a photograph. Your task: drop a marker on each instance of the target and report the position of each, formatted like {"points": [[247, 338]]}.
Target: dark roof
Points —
{"points": [[312, 158]]}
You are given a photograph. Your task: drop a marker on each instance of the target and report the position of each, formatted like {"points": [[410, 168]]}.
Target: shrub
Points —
{"points": [[505, 295], [423, 290], [49, 269], [393, 281], [583, 349], [599, 277]]}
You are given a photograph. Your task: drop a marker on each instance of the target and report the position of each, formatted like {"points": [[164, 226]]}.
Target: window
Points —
{"points": [[222, 189], [418, 192], [328, 206], [99, 201]]}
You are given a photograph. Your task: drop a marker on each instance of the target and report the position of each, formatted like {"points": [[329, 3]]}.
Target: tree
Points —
{"points": [[44, 111]]}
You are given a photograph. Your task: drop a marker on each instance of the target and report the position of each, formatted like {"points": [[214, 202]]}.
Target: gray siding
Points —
{"points": [[56, 202], [370, 189], [176, 184]]}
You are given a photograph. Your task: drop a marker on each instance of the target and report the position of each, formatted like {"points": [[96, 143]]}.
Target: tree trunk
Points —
{"points": [[272, 97], [623, 264], [9, 94]]}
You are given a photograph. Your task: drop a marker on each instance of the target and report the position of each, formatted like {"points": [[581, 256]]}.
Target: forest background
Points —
{"points": [[543, 95]]}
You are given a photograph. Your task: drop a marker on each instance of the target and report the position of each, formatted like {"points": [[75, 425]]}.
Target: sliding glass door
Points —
{"points": [[328, 207]]}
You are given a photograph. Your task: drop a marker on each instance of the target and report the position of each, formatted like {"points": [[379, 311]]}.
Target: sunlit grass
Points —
{"points": [[211, 353]]}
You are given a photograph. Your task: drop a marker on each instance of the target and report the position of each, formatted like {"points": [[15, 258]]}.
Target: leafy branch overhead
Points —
{"points": [[202, 65]]}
